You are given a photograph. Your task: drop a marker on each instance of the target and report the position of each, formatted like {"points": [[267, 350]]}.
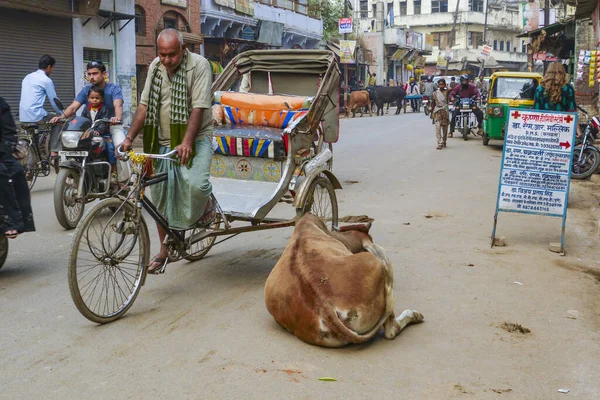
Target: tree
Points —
{"points": [[331, 11]]}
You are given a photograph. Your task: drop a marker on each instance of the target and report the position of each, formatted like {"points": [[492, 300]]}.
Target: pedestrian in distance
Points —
{"points": [[453, 83], [440, 114], [175, 113], [16, 215], [35, 88]]}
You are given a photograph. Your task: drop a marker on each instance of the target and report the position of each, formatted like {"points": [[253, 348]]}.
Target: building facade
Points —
{"points": [[465, 20], [151, 17], [74, 32], [230, 27]]}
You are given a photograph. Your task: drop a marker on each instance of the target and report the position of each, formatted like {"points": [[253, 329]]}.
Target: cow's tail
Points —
{"points": [[348, 334]]}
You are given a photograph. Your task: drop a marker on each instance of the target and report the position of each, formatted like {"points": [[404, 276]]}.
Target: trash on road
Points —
{"points": [[327, 379], [572, 314], [518, 283], [563, 390]]}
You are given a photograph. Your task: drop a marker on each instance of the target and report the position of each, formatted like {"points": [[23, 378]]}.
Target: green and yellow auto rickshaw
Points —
{"points": [[507, 90]]}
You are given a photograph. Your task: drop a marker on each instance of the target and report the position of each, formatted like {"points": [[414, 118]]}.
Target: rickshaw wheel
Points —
{"points": [[321, 201], [486, 139], [200, 249], [107, 264], [3, 250]]}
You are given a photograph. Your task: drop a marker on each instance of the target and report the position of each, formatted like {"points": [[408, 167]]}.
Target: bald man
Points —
{"points": [[174, 113]]}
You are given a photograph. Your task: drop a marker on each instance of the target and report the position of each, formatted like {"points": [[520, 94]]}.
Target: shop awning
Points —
{"points": [[192, 38], [550, 29], [584, 8], [47, 9]]}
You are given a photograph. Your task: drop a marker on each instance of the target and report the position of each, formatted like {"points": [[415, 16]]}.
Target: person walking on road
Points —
{"points": [[175, 113], [16, 215], [439, 113]]}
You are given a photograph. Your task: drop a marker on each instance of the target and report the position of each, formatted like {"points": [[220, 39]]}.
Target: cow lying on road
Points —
{"points": [[334, 288], [358, 99]]}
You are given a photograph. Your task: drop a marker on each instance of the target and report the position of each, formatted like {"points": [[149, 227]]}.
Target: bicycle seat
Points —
{"points": [[26, 125]]}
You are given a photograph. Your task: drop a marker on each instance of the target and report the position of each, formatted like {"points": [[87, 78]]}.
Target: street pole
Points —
{"points": [[547, 14], [345, 65], [484, 35], [453, 33]]}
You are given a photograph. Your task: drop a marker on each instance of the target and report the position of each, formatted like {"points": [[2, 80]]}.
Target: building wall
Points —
{"points": [[121, 44], [291, 20], [154, 11]]}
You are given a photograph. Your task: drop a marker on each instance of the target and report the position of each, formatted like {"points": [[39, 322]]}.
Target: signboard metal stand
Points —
{"points": [[535, 174]]}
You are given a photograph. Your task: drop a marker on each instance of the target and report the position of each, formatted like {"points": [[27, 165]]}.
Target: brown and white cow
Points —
{"points": [[334, 288], [358, 99]]}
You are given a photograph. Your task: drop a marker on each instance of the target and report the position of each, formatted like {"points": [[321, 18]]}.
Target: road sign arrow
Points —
{"points": [[566, 145]]}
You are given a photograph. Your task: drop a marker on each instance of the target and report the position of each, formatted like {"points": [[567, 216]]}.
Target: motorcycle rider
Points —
{"points": [[429, 87], [412, 89], [465, 90], [113, 98]]}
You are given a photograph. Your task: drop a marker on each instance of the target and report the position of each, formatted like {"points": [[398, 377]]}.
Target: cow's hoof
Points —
{"points": [[417, 316]]}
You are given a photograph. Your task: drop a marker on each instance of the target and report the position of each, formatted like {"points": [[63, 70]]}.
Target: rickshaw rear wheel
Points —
{"points": [[107, 264], [199, 250], [321, 201], [3, 250], [486, 139]]}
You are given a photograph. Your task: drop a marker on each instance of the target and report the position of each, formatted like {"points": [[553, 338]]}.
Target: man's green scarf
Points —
{"points": [[179, 112]]}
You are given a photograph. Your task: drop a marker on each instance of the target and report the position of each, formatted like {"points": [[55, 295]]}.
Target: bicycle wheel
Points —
{"points": [[3, 249], [31, 174], [321, 201], [107, 264]]}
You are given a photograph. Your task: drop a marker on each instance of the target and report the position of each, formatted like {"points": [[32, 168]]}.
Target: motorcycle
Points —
{"points": [[84, 171], [466, 120], [586, 157], [426, 104]]}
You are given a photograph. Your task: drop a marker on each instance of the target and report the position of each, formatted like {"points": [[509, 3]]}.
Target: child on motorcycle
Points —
{"points": [[97, 110]]}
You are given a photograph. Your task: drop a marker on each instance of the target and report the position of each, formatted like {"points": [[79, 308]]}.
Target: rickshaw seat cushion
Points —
{"points": [[250, 141], [273, 111]]}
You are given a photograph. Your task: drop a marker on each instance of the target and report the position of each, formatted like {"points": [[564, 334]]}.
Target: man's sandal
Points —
{"points": [[11, 234], [157, 265]]}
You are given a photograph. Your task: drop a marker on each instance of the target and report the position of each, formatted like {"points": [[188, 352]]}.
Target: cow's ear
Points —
{"points": [[356, 227]]}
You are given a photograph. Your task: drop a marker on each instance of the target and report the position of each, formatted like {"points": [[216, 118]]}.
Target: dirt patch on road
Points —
{"points": [[514, 328]]}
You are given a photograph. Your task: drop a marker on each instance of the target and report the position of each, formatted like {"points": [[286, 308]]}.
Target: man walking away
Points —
{"points": [[35, 87]]}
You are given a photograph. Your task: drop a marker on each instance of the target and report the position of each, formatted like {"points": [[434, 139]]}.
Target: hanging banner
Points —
{"points": [[486, 51], [347, 51], [398, 54], [441, 62], [345, 25], [535, 174]]}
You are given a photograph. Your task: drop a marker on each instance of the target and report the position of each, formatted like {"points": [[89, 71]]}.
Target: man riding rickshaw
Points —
{"points": [[507, 90]]}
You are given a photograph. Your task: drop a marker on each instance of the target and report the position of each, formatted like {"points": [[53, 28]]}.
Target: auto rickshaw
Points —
{"points": [[507, 90]]}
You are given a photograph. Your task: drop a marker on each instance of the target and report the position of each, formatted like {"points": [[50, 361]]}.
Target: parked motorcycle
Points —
{"points": [[586, 157], [466, 120], [84, 172]]}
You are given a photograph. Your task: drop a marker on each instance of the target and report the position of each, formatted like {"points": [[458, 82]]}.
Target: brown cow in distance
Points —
{"points": [[358, 99], [334, 288]]}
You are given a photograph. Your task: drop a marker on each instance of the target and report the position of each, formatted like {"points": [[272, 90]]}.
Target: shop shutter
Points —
{"points": [[25, 38]]}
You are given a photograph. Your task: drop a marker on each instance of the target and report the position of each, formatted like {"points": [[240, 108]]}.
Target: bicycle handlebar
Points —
{"points": [[166, 156]]}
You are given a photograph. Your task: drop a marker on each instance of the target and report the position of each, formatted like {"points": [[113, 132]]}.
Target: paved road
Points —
{"points": [[202, 330]]}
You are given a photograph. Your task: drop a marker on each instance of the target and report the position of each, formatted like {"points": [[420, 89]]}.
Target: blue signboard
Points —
{"points": [[536, 164]]}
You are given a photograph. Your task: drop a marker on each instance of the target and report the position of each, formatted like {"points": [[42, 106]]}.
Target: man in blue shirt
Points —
{"points": [[34, 89], [113, 98]]}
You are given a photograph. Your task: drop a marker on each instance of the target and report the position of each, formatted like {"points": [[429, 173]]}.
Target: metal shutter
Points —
{"points": [[25, 38]]}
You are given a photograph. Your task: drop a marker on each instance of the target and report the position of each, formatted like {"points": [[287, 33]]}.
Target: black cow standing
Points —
{"points": [[387, 94]]}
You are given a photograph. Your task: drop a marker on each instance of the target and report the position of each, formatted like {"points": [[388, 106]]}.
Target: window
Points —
{"points": [[523, 47], [513, 88], [140, 21], [476, 5], [475, 39], [440, 39], [403, 8], [364, 8], [502, 45], [495, 45], [439, 6], [508, 45], [417, 6], [169, 23]]}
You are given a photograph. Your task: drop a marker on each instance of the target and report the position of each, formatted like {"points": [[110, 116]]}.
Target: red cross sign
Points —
{"points": [[516, 115], [568, 119]]}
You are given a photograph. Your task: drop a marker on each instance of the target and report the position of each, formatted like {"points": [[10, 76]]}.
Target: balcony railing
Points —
{"points": [[297, 6]]}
